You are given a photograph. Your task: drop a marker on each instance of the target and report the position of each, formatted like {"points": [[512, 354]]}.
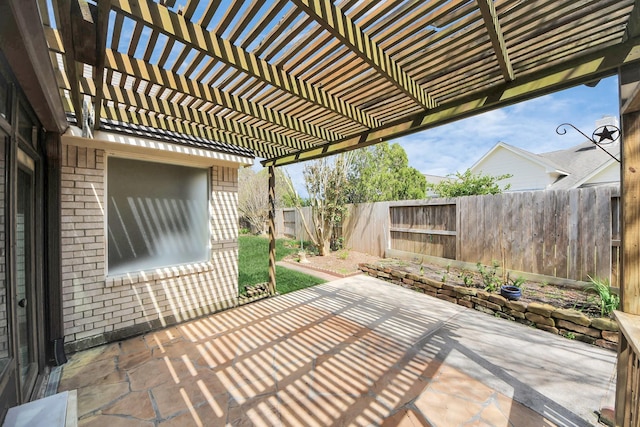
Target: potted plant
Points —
{"points": [[512, 288], [510, 292]]}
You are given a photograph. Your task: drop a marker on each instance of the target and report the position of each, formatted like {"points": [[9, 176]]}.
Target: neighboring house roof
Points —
{"points": [[582, 162], [169, 136], [569, 168], [434, 179]]}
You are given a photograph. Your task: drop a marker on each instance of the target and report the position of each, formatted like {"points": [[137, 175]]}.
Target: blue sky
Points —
{"points": [[529, 125]]}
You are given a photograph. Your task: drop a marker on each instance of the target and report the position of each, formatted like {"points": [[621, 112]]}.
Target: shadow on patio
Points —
{"points": [[355, 351]]}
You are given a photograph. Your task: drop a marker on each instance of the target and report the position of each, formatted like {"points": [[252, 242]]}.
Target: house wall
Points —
{"points": [[609, 175], [530, 176], [98, 308]]}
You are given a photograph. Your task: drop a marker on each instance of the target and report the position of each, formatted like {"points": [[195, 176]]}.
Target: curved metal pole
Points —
{"points": [[561, 131], [564, 131]]}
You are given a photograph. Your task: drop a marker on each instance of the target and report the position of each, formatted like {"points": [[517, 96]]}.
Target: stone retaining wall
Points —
{"points": [[569, 323]]}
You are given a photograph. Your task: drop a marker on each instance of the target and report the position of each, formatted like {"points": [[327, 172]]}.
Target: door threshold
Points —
{"points": [[58, 410]]}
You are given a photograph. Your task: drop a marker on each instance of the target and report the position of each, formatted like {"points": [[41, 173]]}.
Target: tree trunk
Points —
{"points": [[324, 248]]}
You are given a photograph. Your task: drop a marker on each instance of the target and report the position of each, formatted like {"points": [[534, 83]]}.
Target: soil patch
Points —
{"points": [[345, 263], [341, 263]]}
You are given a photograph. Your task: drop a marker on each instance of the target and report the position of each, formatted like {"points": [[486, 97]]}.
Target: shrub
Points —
{"points": [[518, 282], [490, 277], [608, 300], [467, 278]]}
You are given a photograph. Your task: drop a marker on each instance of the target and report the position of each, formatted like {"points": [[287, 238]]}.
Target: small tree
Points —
{"points": [[253, 196], [326, 183], [381, 173], [468, 184]]}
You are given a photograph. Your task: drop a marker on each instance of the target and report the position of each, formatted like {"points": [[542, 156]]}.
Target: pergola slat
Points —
{"points": [[130, 66], [124, 64], [332, 19], [142, 101], [178, 28], [172, 124]]}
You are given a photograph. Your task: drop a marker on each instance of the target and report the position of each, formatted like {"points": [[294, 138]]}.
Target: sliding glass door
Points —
{"points": [[25, 277]]}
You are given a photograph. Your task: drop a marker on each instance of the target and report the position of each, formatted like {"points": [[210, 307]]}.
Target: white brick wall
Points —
{"points": [[95, 304]]}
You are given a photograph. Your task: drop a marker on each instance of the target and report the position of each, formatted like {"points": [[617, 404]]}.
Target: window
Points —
{"points": [[157, 215]]}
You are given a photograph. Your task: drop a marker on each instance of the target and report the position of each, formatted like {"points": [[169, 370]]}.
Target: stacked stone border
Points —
{"points": [[602, 332]]}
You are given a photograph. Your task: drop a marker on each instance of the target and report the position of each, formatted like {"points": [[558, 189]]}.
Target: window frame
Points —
{"points": [[163, 160]]}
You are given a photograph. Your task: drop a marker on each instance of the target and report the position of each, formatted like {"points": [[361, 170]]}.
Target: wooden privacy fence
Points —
{"points": [[556, 233], [427, 228], [289, 222], [569, 234]]}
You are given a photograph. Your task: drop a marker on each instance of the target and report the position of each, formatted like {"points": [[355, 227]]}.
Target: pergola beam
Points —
{"points": [[102, 25], [633, 25], [64, 7], [581, 70], [333, 19], [490, 17], [178, 28]]}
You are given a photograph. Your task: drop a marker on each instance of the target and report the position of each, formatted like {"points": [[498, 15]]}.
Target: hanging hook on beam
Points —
{"points": [[599, 136]]}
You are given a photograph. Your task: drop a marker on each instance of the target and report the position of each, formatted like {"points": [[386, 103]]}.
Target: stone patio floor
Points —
{"points": [[355, 351]]}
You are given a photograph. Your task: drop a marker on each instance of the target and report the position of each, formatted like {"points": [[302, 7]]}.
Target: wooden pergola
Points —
{"points": [[295, 80]]}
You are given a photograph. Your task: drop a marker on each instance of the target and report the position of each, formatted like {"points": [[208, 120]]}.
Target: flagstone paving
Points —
{"points": [[355, 351]]}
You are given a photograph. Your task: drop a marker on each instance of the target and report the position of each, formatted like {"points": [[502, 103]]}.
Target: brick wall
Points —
{"points": [[99, 309]]}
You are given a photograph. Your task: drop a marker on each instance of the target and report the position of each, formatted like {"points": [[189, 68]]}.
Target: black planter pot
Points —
{"points": [[510, 292]]}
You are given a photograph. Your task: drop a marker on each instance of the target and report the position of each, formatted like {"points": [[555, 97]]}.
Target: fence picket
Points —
{"points": [[537, 231]]}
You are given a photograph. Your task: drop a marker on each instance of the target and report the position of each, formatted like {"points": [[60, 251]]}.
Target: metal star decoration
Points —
{"points": [[606, 134]]}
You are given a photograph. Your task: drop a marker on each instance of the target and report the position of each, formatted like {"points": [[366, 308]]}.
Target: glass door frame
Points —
{"points": [[8, 374], [23, 139], [26, 383]]}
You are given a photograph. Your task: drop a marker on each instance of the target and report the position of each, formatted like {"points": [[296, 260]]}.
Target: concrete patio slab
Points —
{"points": [[355, 351]]}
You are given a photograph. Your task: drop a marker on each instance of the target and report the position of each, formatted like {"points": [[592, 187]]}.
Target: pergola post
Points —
{"points": [[630, 191], [629, 317], [272, 230]]}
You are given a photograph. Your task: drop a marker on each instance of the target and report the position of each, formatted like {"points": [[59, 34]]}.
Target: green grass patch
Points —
{"points": [[253, 264]]}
